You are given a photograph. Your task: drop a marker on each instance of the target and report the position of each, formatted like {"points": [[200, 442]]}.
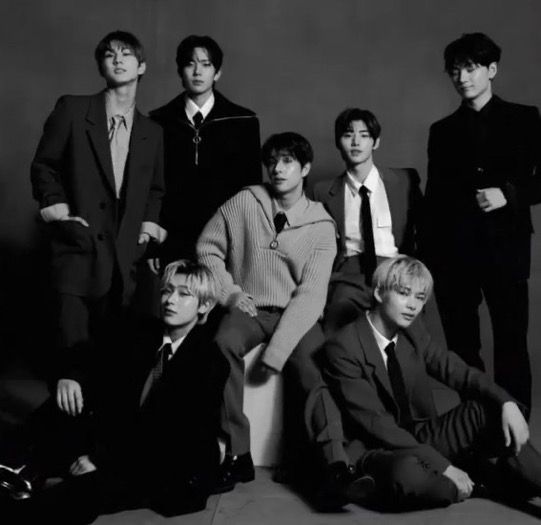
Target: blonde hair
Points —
{"points": [[199, 280], [397, 272]]}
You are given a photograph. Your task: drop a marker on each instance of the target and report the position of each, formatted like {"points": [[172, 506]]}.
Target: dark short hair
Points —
{"points": [[349, 115], [128, 39], [290, 142], [471, 48], [186, 47]]}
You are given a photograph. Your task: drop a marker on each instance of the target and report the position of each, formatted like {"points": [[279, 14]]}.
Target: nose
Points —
{"points": [[463, 75], [354, 140], [277, 167], [196, 69], [171, 298]]}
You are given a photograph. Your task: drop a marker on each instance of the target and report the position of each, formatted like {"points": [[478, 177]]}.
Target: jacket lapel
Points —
{"points": [[395, 201], [335, 205], [137, 154], [97, 131], [373, 354]]}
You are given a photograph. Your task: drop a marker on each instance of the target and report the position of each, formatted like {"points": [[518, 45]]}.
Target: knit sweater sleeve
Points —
{"points": [[307, 301], [212, 250]]}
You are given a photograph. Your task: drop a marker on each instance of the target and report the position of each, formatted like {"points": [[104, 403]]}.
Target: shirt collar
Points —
{"points": [[371, 181], [192, 108], [111, 111], [381, 340], [294, 213], [174, 345]]}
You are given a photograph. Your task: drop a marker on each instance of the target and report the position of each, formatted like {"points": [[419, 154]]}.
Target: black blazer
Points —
{"points": [[202, 173], [454, 226], [172, 439], [356, 373], [404, 196], [73, 164]]}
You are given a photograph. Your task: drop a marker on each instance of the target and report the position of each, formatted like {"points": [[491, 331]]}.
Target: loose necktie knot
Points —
{"points": [[197, 119]]}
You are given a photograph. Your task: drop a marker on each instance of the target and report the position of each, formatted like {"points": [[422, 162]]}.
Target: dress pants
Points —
{"points": [[459, 295], [470, 436], [237, 335]]}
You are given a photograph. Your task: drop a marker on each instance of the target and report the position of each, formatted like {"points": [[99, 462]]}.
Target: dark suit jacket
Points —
{"points": [[403, 194], [172, 439], [356, 374], [73, 165], [455, 228], [200, 177]]}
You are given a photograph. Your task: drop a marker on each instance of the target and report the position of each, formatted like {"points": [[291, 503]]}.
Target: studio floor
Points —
{"points": [[264, 502]]}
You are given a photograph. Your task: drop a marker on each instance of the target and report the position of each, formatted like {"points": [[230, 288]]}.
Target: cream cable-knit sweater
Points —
{"points": [[236, 246]]}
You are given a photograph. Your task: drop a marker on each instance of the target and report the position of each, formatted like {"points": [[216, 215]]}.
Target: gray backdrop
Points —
{"points": [[296, 62]]}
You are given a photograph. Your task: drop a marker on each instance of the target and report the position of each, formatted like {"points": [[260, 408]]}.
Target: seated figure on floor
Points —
{"points": [[376, 210], [272, 250], [144, 432], [378, 370]]}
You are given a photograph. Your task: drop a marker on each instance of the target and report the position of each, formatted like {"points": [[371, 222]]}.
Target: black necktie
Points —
{"points": [[280, 220], [197, 119], [368, 235], [157, 371], [397, 384]]}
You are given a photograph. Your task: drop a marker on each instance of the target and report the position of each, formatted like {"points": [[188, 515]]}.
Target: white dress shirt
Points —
{"points": [[381, 216], [192, 108], [381, 340]]}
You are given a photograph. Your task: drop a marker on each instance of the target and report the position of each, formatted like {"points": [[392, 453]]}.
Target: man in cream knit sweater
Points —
{"points": [[272, 251]]}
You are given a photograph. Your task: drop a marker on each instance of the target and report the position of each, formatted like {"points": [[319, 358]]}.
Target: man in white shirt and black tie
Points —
{"points": [[376, 212]]}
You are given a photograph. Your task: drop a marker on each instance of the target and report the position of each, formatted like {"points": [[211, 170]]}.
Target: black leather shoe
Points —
{"points": [[342, 485], [12, 483], [233, 470]]}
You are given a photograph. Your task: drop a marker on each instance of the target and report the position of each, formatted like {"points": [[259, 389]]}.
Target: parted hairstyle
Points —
{"points": [[345, 118], [288, 142], [199, 279], [186, 47], [397, 272], [471, 48], [123, 37]]}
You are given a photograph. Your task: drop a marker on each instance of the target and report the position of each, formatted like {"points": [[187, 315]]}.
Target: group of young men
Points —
{"points": [[329, 284]]}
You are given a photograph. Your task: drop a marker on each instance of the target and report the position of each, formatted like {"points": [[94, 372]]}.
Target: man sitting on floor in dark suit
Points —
{"points": [[147, 430], [376, 211], [378, 368]]}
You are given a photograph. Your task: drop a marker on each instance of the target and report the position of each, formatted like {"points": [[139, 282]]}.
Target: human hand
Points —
{"points": [[154, 265], [514, 426], [82, 465], [490, 199], [74, 218], [69, 396], [144, 237], [244, 303], [462, 481]]}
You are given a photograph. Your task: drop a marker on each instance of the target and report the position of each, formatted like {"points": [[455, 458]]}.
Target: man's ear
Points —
{"points": [[492, 70], [217, 75], [305, 170], [378, 294], [376, 143], [142, 68], [204, 309]]}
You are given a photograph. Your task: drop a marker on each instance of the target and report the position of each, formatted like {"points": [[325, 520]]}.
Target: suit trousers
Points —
{"points": [[471, 438], [237, 335], [459, 296]]}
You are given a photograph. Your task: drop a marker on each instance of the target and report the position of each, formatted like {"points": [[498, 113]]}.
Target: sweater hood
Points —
{"points": [[315, 212]]}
